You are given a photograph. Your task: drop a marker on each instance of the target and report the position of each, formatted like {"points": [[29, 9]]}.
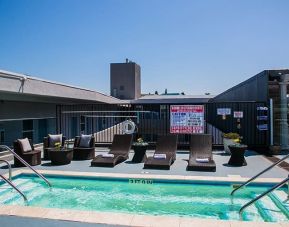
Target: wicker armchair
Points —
{"points": [[46, 147], [83, 153], [32, 157]]}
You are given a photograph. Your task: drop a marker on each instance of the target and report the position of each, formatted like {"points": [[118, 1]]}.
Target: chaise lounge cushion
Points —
{"points": [[53, 139], [25, 145], [85, 140]]}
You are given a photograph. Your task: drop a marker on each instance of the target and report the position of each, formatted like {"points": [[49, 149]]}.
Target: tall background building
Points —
{"points": [[125, 80]]}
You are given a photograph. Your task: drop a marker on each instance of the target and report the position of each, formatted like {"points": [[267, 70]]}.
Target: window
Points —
{"points": [[82, 123], [121, 88], [27, 129]]}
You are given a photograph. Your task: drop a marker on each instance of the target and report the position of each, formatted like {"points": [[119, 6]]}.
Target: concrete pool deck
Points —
{"points": [[255, 163], [224, 172]]}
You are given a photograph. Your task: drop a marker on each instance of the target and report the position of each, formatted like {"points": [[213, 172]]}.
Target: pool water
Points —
{"points": [[153, 197]]}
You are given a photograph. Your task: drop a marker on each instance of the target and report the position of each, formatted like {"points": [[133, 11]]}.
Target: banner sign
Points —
{"points": [[224, 111], [187, 119], [238, 114]]}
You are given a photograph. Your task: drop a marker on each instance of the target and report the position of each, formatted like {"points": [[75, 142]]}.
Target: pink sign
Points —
{"points": [[187, 119]]}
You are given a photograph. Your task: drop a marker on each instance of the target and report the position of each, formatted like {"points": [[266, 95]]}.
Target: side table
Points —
{"points": [[60, 156], [237, 155], [139, 153]]}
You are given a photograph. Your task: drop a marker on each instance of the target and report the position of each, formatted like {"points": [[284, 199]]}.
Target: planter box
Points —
{"points": [[226, 143], [275, 149]]}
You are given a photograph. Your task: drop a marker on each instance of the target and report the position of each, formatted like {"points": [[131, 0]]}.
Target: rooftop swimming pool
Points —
{"points": [[207, 200]]}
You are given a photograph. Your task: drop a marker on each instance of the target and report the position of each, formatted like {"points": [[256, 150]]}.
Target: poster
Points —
{"points": [[187, 119]]}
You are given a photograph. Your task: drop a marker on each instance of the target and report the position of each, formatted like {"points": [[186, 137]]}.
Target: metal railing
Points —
{"points": [[262, 195], [257, 175], [9, 166], [15, 187], [26, 164]]}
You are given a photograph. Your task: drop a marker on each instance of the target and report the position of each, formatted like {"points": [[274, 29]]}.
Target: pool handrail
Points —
{"points": [[262, 195], [9, 166], [15, 187], [26, 164], [257, 175]]}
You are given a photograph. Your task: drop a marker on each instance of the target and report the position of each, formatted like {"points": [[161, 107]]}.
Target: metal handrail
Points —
{"points": [[262, 195], [15, 187], [257, 175], [9, 166], [26, 164]]}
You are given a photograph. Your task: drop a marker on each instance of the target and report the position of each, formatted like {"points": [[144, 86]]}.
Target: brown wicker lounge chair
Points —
{"points": [[47, 145], [119, 151], [166, 145], [32, 157], [81, 152], [201, 158]]}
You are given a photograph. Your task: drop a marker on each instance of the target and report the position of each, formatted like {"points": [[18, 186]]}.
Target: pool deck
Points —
{"points": [[255, 163]]}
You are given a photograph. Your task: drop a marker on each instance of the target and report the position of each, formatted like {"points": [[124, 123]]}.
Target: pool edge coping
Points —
{"points": [[129, 219]]}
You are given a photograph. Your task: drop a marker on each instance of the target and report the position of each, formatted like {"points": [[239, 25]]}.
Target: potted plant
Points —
{"points": [[229, 139], [57, 146], [140, 142]]}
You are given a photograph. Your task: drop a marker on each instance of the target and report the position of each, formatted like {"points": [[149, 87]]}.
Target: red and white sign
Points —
{"points": [[238, 114], [187, 119]]}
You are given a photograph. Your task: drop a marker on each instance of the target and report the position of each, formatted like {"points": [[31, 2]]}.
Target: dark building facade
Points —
{"points": [[125, 80], [271, 87]]}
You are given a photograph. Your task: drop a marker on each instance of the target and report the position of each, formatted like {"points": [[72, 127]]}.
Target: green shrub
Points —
{"points": [[231, 135]]}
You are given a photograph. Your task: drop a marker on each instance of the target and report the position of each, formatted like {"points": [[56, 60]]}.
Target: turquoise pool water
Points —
{"points": [[184, 199]]}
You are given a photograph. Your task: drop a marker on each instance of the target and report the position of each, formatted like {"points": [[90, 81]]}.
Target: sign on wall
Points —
{"points": [[187, 119], [238, 114], [224, 111]]}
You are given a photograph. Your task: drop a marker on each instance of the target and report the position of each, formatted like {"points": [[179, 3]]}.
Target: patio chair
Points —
{"points": [[165, 153], [25, 149], [84, 147], [118, 153], [49, 142], [201, 158]]}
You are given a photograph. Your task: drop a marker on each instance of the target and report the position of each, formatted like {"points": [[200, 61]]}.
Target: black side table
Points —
{"points": [[139, 153], [237, 155], [61, 156]]}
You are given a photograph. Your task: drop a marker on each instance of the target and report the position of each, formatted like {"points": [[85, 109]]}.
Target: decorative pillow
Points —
{"points": [[53, 139], [25, 145], [85, 140]]}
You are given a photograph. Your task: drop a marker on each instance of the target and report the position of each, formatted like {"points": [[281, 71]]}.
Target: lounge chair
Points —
{"points": [[165, 153], [201, 158], [84, 147], [25, 149], [118, 153]]}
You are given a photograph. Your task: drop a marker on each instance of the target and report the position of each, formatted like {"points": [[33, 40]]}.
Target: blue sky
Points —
{"points": [[195, 46]]}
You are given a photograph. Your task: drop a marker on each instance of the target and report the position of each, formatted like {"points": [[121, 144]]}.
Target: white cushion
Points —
{"points": [[24, 143], [85, 140], [107, 155], [54, 139], [202, 160], [160, 156]]}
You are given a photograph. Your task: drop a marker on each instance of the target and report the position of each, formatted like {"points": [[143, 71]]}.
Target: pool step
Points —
{"points": [[4, 188], [11, 195], [280, 198], [269, 211], [8, 194]]}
